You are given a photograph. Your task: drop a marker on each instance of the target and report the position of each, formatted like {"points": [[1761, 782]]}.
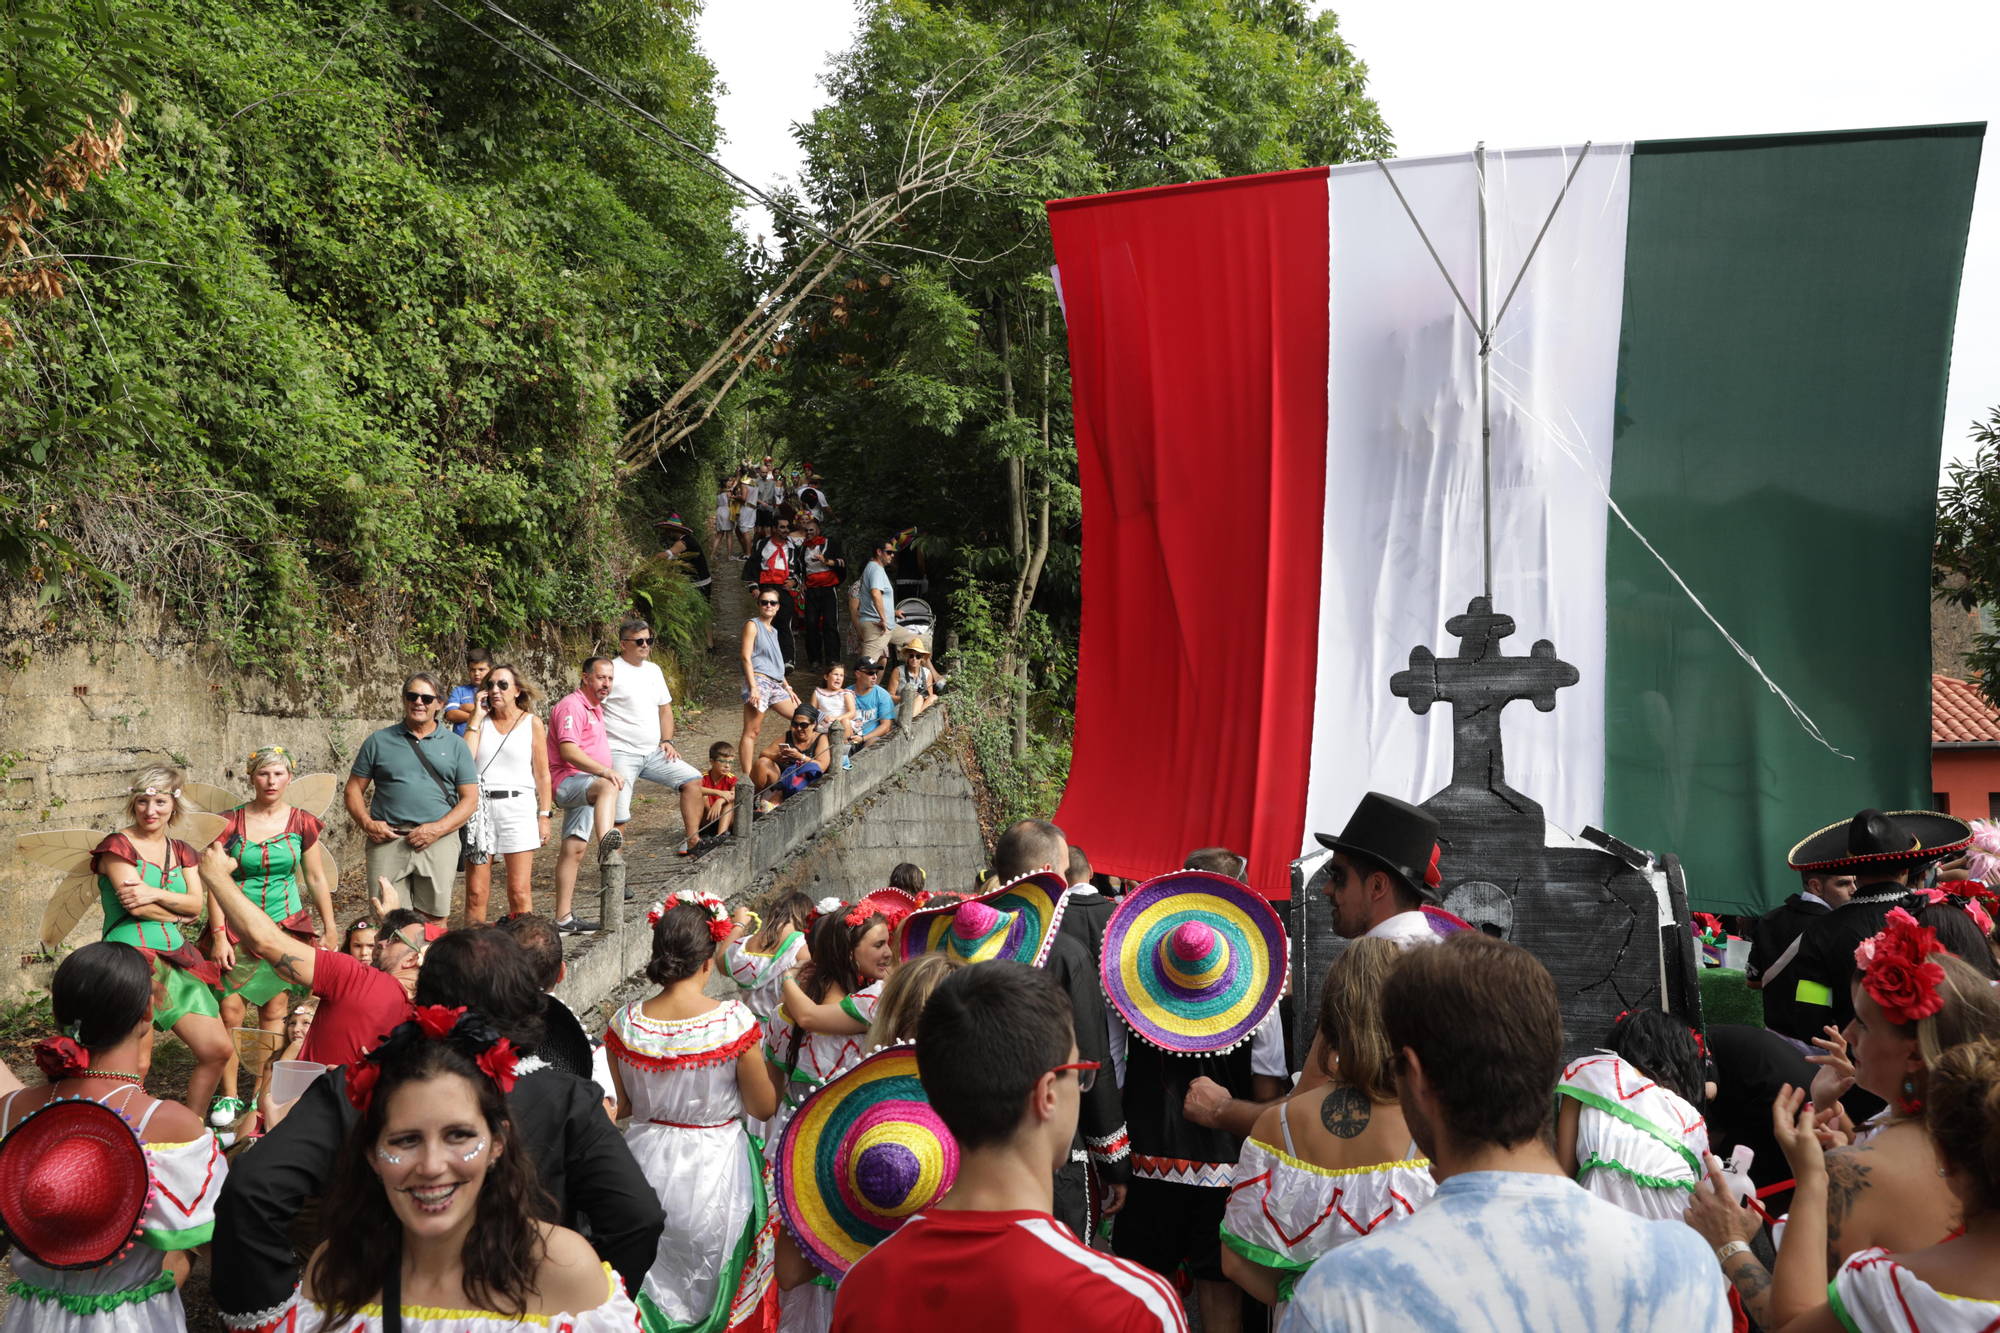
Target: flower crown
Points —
{"points": [[461, 1027], [1896, 969], [719, 924], [824, 907], [1969, 896], [155, 791]]}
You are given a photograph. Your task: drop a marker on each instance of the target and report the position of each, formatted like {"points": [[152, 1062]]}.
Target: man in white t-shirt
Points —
{"points": [[639, 723]]}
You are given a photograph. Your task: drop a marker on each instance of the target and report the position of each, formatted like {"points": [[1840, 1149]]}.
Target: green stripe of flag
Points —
{"points": [[1781, 379]]}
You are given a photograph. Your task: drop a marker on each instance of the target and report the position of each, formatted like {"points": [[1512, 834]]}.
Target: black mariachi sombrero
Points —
{"points": [[1883, 841]]}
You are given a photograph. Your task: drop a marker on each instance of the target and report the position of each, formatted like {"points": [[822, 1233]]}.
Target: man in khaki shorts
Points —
{"points": [[425, 790], [875, 624]]}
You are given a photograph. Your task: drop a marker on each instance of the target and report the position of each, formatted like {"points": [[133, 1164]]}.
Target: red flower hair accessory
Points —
{"points": [[462, 1028], [498, 1062], [60, 1057], [719, 923], [1896, 969]]}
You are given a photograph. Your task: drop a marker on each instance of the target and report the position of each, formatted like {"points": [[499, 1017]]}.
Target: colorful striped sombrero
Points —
{"points": [[1193, 961], [1018, 921], [863, 1153]]}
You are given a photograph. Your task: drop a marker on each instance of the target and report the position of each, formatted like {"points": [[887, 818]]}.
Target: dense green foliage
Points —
{"points": [[378, 304], [1965, 564], [941, 398]]}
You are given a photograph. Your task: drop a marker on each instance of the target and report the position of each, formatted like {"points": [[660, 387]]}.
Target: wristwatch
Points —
{"points": [[545, 814], [1725, 1253]]}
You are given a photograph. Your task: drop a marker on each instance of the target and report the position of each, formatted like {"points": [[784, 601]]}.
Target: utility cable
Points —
{"points": [[679, 145]]}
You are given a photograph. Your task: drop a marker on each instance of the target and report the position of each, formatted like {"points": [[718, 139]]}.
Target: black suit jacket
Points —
{"points": [[1771, 935], [1100, 1120], [579, 1153], [1085, 914]]}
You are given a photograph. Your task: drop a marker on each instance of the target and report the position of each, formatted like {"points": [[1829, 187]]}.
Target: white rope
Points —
{"points": [[1562, 443]]}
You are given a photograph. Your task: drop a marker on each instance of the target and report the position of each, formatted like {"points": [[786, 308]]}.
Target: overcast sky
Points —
{"points": [[1450, 72]]}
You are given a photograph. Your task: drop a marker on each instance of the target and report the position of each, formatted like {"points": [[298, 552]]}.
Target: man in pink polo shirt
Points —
{"points": [[586, 784]]}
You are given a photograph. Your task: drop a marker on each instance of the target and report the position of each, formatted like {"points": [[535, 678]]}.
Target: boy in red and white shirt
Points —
{"points": [[997, 1056]]}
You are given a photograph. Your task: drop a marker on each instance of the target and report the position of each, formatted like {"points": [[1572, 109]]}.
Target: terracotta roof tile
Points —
{"points": [[1959, 715]]}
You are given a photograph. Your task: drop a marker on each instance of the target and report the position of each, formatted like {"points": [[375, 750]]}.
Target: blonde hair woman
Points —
{"points": [[146, 884], [903, 997], [510, 750], [1334, 1163], [268, 847]]}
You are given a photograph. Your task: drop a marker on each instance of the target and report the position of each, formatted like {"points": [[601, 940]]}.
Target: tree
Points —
{"points": [[942, 400], [1965, 563]]}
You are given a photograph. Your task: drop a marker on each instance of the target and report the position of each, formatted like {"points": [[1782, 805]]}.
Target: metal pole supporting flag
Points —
{"points": [[1485, 378]]}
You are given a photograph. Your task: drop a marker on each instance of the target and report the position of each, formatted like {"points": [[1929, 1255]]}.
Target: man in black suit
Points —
{"points": [[1775, 935]]}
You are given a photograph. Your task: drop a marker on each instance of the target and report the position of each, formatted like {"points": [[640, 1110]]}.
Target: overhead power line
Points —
{"points": [[676, 143]]}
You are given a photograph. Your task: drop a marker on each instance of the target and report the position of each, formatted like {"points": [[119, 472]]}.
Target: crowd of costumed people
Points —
{"points": [[1040, 1099]]}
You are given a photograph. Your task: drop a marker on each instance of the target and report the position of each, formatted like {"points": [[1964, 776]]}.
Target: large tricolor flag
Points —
{"points": [[1717, 394]]}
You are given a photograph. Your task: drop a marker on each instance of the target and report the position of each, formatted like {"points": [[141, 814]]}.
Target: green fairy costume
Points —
{"points": [[271, 875], [177, 965]]}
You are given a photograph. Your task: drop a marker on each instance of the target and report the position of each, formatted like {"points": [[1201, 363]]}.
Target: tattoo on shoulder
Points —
{"points": [[1345, 1111], [1846, 1180]]}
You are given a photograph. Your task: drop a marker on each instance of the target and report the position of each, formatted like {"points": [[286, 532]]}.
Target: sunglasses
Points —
{"points": [[413, 697], [1086, 1073], [645, 642], [762, 602], [500, 687]]}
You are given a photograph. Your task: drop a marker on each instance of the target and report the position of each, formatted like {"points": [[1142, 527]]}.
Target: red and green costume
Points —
{"points": [[177, 965], [271, 876]]}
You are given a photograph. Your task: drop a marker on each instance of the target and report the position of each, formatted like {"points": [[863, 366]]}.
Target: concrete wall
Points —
{"points": [[79, 715], [906, 800]]}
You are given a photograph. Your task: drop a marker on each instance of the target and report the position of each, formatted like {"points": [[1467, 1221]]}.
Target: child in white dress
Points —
{"points": [[1630, 1128], [689, 1070]]}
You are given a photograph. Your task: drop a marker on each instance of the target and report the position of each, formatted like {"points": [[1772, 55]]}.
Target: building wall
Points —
{"points": [[1968, 781]]}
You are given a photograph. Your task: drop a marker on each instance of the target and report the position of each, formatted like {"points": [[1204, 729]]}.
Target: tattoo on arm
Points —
{"points": [[1753, 1284], [1846, 1179], [1345, 1111], [293, 967]]}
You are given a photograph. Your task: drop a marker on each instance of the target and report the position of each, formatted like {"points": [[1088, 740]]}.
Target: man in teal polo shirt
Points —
{"points": [[425, 790]]}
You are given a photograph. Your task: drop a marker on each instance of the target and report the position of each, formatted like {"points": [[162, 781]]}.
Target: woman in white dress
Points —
{"points": [[434, 1208], [757, 963], [1334, 1163], [1629, 1127], [102, 996], [829, 1000], [1950, 1287], [510, 749], [689, 1071]]}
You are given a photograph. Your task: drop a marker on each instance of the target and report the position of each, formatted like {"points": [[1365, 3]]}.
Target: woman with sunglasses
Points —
{"points": [[764, 685], [510, 750]]}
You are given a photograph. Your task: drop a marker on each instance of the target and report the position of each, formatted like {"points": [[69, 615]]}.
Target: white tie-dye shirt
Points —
{"points": [[1510, 1252]]}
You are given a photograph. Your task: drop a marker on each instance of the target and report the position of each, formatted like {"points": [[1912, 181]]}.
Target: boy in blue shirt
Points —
{"points": [[461, 704], [875, 711]]}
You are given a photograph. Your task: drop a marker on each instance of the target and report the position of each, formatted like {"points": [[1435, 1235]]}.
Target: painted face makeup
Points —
{"points": [[434, 1152]]}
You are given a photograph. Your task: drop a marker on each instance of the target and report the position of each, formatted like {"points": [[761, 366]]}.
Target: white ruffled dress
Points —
{"points": [[1874, 1294], [689, 1138], [1638, 1145], [133, 1293], [618, 1314], [816, 1057], [1284, 1213], [761, 977]]}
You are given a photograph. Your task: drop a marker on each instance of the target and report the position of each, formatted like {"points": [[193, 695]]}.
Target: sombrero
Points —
{"points": [[892, 904], [1887, 841], [862, 1153], [73, 1184], [1193, 961], [672, 523], [1018, 920]]}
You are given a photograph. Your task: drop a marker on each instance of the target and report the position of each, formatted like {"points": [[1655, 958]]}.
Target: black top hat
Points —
{"points": [[1872, 839], [1396, 835]]}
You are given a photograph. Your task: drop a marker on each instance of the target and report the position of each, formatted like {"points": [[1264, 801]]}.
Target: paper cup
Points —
{"points": [[1736, 953], [289, 1078]]}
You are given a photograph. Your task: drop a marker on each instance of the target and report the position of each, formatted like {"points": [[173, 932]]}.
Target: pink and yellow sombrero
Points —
{"points": [[1017, 921], [863, 1153], [1193, 961]]}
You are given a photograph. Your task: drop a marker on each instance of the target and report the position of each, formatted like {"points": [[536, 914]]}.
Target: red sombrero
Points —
{"points": [[73, 1184]]}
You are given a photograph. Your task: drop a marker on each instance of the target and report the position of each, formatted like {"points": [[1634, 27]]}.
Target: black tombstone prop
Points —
{"points": [[1610, 922]]}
